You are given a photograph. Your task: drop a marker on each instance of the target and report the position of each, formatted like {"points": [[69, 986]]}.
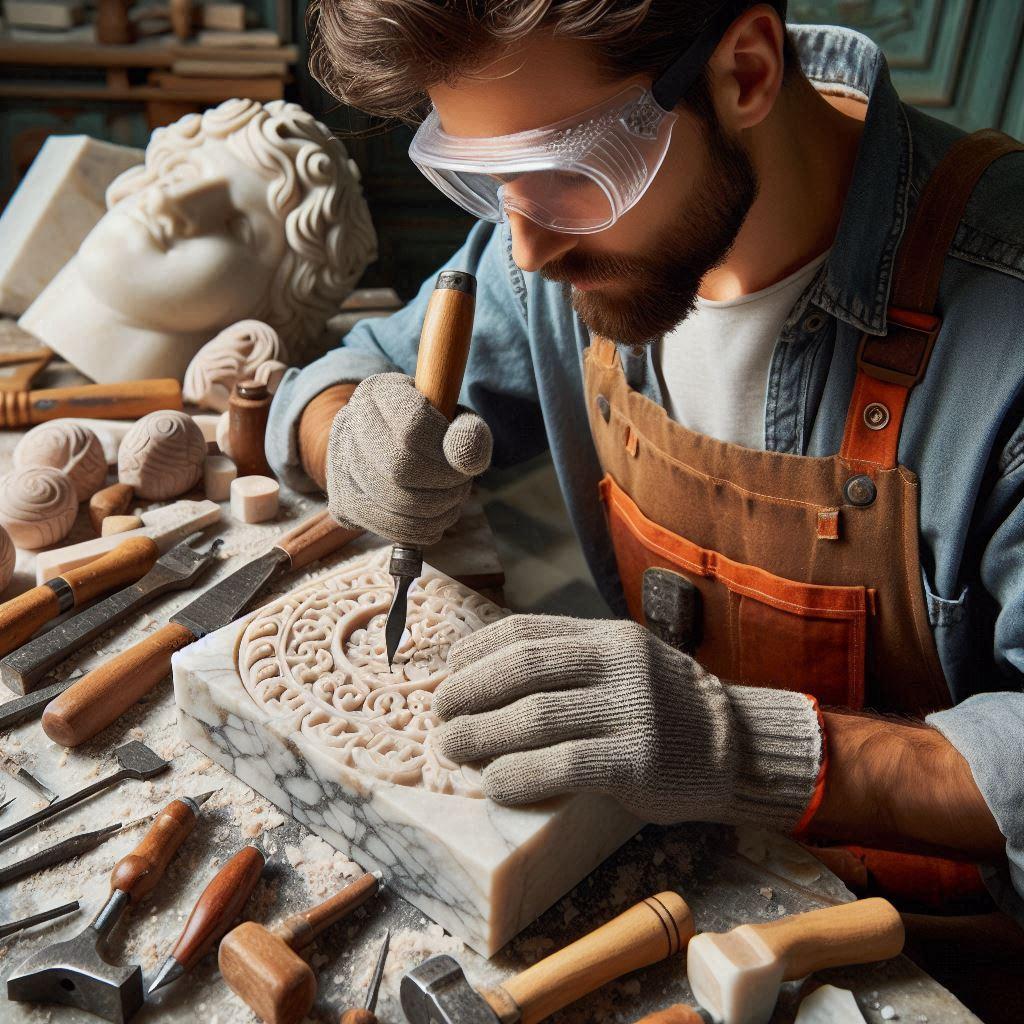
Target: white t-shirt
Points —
{"points": [[714, 366]]}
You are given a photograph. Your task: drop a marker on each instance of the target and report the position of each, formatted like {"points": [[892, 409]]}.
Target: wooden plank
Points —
{"points": [[262, 89], [212, 68], [94, 55]]}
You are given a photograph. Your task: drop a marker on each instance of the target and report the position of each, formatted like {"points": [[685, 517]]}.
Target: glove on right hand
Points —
{"points": [[397, 467]]}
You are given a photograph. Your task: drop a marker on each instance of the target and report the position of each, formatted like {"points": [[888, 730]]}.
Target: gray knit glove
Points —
{"points": [[397, 467], [571, 704]]}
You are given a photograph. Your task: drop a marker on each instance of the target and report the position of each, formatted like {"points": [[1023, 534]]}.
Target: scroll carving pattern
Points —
{"points": [[318, 654]]}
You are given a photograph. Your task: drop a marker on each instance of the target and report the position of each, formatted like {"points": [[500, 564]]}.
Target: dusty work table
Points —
{"points": [[726, 878]]}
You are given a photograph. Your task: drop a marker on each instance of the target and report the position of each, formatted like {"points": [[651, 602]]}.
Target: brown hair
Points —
{"points": [[381, 56]]}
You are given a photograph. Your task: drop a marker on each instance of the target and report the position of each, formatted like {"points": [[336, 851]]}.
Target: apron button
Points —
{"points": [[604, 408], [876, 416], [860, 491]]}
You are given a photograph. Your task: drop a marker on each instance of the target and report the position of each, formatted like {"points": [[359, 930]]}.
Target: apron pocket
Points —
{"points": [[759, 629]]}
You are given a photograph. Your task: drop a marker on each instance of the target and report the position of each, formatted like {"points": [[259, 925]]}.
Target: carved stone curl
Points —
{"points": [[239, 352], [162, 455], [67, 446], [318, 655], [37, 506]]}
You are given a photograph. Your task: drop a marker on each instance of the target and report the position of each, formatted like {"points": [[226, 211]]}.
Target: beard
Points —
{"points": [[662, 286]]}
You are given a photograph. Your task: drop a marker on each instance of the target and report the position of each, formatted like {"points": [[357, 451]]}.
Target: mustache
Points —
{"points": [[598, 268]]}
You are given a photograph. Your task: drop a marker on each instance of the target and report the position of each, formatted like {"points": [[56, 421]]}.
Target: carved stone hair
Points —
{"points": [[381, 56], [314, 187]]}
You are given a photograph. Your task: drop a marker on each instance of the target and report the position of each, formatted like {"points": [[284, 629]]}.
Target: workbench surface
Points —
{"points": [[726, 878]]}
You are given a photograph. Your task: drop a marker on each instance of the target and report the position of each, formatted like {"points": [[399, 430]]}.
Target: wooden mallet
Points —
{"points": [[263, 967], [736, 975]]}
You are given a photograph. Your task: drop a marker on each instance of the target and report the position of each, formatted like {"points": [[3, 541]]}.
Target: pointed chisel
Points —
{"points": [[66, 850]]}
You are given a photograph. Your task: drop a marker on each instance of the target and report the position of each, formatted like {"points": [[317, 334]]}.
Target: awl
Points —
{"points": [[100, 697], [23, 615], [179, 568], [440, 365]]}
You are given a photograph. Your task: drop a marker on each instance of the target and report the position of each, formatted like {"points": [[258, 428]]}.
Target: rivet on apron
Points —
{"points": [[814, 322], [860, 491], [604, 407], [632, 441], [876, 416]]}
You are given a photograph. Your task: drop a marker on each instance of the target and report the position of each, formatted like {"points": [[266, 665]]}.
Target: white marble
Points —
{"points": [[247, 211], [59, 201], [298, 702]]}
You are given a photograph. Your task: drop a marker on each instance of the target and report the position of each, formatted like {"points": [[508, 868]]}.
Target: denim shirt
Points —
{"points": [[962, 435]]}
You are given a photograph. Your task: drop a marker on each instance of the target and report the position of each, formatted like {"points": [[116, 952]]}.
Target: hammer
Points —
{"points": [[438, 992], [74, 972], [736, 975], [263, 968]]}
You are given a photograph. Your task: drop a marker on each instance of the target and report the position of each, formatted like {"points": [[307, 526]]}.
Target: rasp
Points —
{"points": [[179, 568], [440, 365], [98, 698]]}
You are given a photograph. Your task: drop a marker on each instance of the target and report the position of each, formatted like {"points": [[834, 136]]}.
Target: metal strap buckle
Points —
{"points": [[915, 349]]}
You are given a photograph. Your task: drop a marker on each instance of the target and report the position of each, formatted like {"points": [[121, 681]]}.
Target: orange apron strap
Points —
{"points": [[889, 367]]}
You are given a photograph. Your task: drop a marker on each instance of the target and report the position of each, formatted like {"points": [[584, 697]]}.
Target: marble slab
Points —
{"points": [[297, 701]]}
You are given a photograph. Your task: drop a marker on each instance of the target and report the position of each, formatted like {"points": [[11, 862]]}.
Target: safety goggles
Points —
{"points": [[581, 174]]}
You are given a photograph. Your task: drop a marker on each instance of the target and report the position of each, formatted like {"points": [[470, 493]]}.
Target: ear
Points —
{"points": [[747, 68]]}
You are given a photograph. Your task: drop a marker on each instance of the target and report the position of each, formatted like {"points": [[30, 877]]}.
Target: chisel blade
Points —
{"points": [[406, 566]]}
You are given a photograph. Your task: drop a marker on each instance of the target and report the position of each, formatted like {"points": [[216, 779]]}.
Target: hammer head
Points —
{"points": [[438, 992], [72, 972], [735, 976], [264, 971], [137, 758]]}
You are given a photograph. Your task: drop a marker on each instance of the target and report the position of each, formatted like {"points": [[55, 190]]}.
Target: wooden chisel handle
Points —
{"points": [[650, 931], [23, 615], [678, 1014], [218, 906], [444, 340], [138, 873], [123, 401], [313, 538], [103, 695], [299, 930]]}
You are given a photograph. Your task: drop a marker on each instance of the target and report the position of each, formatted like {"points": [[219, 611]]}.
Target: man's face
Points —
{"points": [[190, 251], [639, 278]]}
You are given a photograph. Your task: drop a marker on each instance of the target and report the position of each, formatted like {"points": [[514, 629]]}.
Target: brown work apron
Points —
{"points": [[808, 569]]}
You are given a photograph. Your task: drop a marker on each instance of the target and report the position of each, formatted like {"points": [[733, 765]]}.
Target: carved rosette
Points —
{"points": [[37, 506], [248, 349], [317, 655], [162, 455], [67, 446]]}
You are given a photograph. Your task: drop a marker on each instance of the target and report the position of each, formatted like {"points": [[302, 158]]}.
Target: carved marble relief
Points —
{"points": [[319, 652]]}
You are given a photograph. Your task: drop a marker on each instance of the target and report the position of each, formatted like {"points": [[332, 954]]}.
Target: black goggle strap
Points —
{"points": [[675, 81]]}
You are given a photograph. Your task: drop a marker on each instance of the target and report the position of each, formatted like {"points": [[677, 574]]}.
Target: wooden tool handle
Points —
{"points": [[318, 536], [124, 401], [107, 692], [444, 340], [678, 1014], [853, 933], [125, 564], [359, 1015], [138, 873], [218, 906], [299, 930], [657, 928], [315, 430], [23, 615]]}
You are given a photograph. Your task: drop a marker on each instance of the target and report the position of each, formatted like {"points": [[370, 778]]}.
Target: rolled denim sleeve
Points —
{"points": [[499, 385], [988, 728]]}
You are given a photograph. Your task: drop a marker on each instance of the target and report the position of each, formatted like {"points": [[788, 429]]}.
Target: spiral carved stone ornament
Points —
{"points": [[37, 506], [162, 455], [239, 352], [317, 656], [67, 446]]}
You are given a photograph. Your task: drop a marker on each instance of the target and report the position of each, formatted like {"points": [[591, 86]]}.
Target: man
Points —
{"points": [[726, 204]]}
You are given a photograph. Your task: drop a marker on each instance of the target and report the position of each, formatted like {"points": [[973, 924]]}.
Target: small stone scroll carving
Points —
{"points": [[239, 352], [162, 455], [318, 654], [37, 506], [67, 446]]}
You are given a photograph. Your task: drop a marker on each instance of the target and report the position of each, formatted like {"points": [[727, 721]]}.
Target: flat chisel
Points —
{"points": [[23, 615], [440, 365], [100, 697], [21, 670]]}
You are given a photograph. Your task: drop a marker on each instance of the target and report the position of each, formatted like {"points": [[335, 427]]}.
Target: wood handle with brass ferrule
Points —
{"points": [[138, 873], [313, 538], [444, 340], [100, 697], [127, 400], [648, 932], [299, 930], [23, 615]]}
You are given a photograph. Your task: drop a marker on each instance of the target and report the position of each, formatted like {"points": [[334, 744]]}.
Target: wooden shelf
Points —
{"points": [[144, 54], [273, 90]]}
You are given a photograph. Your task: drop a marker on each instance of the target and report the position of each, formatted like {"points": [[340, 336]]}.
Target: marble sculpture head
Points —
{"points": [[248, 210]]}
